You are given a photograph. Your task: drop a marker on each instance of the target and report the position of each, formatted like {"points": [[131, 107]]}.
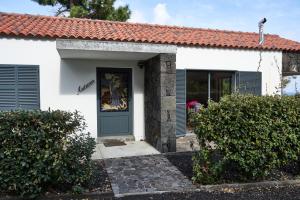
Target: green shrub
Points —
{"points": [[42, 149], [251, 135]]}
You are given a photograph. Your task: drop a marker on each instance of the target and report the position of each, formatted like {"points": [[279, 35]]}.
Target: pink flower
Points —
{"points": [[191, 104]]}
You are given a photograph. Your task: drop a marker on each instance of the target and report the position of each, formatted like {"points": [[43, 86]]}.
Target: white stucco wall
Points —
{"points": [[233, 59], [60, 78]]}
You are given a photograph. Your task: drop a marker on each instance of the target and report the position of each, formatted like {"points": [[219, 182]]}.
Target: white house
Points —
{"points": [[131, 79]]}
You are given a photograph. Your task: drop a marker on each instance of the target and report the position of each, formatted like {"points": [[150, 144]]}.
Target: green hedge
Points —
{"points": [[251, 135], [42, 149]]}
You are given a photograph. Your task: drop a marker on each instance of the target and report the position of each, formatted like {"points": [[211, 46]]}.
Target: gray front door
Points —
{"points": [[114, 101]]}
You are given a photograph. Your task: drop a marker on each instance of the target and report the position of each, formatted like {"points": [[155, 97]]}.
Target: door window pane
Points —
{"points": [[114, 91]]}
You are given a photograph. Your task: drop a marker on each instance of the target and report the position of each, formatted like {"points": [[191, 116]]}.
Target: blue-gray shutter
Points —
{"points": [[28, 87], [249, 83], [8, 93], [180, 102], [19, 87]]}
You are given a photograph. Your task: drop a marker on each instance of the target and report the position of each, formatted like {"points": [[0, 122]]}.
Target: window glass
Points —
{"points": [[291, 85], [220, 85], [197, 87], [198, 90], [114, 91]]}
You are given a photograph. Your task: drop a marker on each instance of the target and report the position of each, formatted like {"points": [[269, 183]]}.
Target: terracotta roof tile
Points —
{"points": [[24, 25]]}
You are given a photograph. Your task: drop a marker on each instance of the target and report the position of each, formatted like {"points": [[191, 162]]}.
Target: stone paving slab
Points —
{"points": [[188, 142], [132, 148], [144, 174]]}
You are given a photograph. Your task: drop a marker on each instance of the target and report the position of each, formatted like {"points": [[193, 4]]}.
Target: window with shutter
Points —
{"points": [[19, 87]]}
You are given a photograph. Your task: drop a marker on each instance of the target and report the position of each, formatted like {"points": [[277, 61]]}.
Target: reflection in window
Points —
{"points": [[204, 85], [292, 85], [114, 92], [221, 85], [197, 87]]}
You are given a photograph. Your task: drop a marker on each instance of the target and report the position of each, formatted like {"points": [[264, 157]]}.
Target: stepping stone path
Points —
{"points": [[144, 174]]}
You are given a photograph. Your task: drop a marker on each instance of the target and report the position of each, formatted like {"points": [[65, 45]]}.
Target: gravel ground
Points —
{"points": [[183, 161], [99, 181], [271, 193], [100, 186]]}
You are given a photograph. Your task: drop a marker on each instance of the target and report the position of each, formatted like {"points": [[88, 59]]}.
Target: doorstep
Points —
{"points": [[121, 138], [125, 149]]}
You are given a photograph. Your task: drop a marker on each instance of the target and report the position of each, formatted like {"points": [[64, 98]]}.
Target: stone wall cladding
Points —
{"points": [[290, 62], [160, 102]]}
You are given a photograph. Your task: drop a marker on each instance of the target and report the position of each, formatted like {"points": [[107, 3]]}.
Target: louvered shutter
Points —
{"points": [[249, 83], [19, 87], [8, 95], [180, 102], [28, 87]]}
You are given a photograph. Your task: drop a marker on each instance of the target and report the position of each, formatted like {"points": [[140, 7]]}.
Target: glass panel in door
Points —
{"points": [[114, 92]]}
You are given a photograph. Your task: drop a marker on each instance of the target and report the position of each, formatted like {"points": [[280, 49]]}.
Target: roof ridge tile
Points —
{"points": [[135, 23], [26, 25]]}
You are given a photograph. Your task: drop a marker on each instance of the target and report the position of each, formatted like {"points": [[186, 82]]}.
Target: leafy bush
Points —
{"points": [[41, 149], [250, 135]]}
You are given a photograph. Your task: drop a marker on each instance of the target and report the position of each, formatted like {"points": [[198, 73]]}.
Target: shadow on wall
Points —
{"points": [[78, 72], [75, 73]]}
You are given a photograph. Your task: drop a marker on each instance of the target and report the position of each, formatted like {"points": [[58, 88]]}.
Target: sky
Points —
{"points": [[283, 16]]}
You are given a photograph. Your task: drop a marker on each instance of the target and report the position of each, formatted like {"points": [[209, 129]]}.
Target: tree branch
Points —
{"points": [[61, 10]]}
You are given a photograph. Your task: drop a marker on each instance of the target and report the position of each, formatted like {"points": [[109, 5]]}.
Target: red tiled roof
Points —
{"points": [[23, 25]]}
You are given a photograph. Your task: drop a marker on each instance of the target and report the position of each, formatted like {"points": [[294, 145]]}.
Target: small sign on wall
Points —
{"points": [[82, 88]]}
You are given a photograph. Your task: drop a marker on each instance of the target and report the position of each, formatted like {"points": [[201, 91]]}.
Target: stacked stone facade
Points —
{"points": [[160, 102]]}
